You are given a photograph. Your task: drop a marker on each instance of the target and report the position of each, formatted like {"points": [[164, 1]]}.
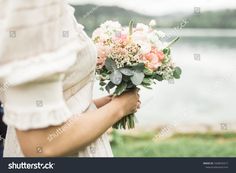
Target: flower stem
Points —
{"points": [[172, 42]]}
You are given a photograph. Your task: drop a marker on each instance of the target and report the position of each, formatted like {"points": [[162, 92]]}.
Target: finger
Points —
{"points": [[138, 105], [136, 92]]}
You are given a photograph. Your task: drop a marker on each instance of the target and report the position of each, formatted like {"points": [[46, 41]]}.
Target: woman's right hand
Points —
{"points": [[128, 102]]}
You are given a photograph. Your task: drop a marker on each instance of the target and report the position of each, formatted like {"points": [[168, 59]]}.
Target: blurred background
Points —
{"points": [[193, 116]]}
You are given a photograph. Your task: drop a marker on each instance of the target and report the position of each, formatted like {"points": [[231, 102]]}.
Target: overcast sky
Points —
{"points": [[161, 7]]}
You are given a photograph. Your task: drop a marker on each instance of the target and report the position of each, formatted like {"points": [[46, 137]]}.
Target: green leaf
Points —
{"points": [[147, 81], [166, 59], [125, 78], [109, 86], [158, 77], [116, 77], [147, 72], [130, 85], [126, 71], [172, 42], [139, 67], [177, 72], [131, 26], [137, 78], [110, 64], [102, 83], [176, 76], [146, 86], [166, 51], [120, 88]]}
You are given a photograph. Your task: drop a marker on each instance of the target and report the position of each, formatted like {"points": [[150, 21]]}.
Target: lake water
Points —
{"points": [[206, 92]]}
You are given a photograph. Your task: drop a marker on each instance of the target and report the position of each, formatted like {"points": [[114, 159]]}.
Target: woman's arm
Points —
{"points": [[102, 101], [81, 131]]}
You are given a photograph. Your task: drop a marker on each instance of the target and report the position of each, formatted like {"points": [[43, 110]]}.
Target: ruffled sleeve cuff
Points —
{"points": [[35, 105]]}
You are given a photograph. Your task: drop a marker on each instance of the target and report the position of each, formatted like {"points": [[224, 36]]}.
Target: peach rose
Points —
{"points": [[154, 59]]}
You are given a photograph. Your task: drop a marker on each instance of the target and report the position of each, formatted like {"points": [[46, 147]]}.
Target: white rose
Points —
{"points": [[111, 25]]}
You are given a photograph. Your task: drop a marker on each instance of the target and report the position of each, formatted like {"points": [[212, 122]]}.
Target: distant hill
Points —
{"points": [[214, 19], [92, 16]]}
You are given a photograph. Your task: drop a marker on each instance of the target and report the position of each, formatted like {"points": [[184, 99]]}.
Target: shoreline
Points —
{"points": [[168, 128]]}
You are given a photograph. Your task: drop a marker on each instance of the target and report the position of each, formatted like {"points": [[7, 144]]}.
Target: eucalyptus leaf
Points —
{"points": [[116, 77], [139, 67], [109, 86], [126, 78], [120, 88], [137, 78], [126, 71], [130, 85], [176, 76], [110, 64], [177, 72]]}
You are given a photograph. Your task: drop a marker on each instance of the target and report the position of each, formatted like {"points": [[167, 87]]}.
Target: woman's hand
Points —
{"points": [[128, 102], [100, 102]]}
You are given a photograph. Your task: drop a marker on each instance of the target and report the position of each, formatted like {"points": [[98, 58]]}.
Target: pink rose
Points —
{"points": [[154, 59], [159, 54]]}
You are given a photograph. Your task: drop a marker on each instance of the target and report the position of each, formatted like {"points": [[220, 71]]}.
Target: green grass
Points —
{"points": [[179, 145]]}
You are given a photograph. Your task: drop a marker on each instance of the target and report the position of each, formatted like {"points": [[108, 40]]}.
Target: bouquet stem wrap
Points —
{"points": [[128, 122]]}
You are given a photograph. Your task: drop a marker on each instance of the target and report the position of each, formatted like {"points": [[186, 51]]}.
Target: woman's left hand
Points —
{"points": [[100, 102]]}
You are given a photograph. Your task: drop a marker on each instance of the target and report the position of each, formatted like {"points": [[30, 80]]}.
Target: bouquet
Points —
{"points": [[129, 57]]}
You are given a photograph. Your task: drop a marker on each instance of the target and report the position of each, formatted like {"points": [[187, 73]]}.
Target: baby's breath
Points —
{"points": [[125, 54]]}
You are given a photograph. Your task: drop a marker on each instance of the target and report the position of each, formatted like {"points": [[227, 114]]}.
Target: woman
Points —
{"points": [[47, 63]]}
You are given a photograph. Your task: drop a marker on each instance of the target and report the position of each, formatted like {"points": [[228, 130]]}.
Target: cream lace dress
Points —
{"points": [[47, 67]]}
